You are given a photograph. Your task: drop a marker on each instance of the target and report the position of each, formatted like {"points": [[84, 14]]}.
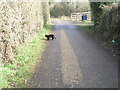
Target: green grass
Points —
{"points": [[87, 28], [81, 22], [17, 74], [84, 22]]}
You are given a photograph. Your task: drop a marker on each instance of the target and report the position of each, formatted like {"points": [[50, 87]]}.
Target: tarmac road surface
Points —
{"points": [[75, 60]]}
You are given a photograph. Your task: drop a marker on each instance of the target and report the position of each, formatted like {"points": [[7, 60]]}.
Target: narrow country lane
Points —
{"points": [[75, 60]]}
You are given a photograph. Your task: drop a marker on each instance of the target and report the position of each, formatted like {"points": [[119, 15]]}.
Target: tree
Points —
{"points": [[97, 11], [60, 9], [57, 10], [82, 7], [46, 14], [66, 8]]}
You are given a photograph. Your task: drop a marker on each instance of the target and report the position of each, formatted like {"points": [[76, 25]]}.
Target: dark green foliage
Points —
{"points": [[66, 8], [108, 28], [56, 11], [51, 2], [97, 11], [62, 9], [82, 7]]}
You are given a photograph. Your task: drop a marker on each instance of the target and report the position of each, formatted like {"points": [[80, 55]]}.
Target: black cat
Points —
{"points": [[50, 36]]}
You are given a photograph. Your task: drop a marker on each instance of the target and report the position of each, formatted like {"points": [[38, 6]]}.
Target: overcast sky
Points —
{"points": [[62, 0]]}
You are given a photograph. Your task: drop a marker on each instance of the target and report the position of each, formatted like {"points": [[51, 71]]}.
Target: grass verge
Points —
{"points": [[91, 29], [84, 22], [17, 74], [87, 27]]}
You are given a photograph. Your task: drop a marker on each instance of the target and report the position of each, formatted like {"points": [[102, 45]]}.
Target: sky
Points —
{"points": [[88, 0], [64, 0]]}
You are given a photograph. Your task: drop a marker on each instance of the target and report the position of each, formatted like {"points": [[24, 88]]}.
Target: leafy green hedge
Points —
{"points": [[18, 73]]}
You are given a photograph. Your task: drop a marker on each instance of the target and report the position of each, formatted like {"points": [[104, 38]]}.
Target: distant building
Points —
{"points": [[81, 16]]}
